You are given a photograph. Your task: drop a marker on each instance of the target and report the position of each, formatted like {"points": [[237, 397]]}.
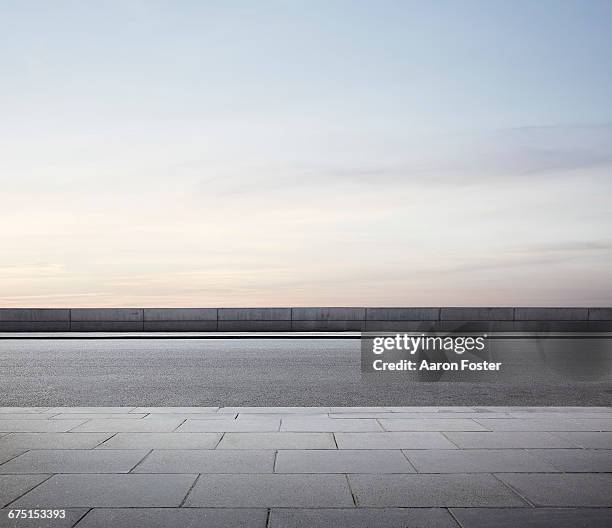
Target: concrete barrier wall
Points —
{"points": [[303, 319]]}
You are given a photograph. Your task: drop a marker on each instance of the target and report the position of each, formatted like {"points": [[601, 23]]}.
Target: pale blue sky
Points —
{"points": [[283, 153]]}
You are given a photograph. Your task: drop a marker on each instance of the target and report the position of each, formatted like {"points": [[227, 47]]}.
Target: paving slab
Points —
{"points": [[71, 516], [162, 441], [432, 424], [271, 490], [179, 517], [432, 491], [90, 410], [257, 424], [13, 486], [588, 440], [576, 460], [476, 461], [342, 461], [362, 518], [207, 461], [39, 426], [507, 440], [74, 461], [29, 416], [176, 410], [53, 440], [281, 440], [533, 517], [108, 491], [547, 424], [570, 489], [275, 410], [149, 424], [322, 424], [393, 440], [97, 416]]}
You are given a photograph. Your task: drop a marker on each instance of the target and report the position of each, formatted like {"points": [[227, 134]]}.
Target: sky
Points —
{"points": [[264, 153]]}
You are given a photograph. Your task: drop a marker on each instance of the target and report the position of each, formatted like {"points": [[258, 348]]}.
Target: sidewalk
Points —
{"points": [[299, 466]]}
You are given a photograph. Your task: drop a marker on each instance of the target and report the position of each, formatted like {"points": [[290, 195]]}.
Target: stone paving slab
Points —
{"points": [[282, 440], [547, 424], [342, 461], [13, 486], [39, 426], [207, 461], [53, 440], [130, 491], [175, 517], [271, 490], [362, 518], [393, 440], [162, 441], [149, 424], [326, 424], [477, 461], [571, 489], [507, 440], [432, 424], [533, 517], [588, 440], [74, 461], [432, 491], [576, 460], [98, 416], [240, 424]]}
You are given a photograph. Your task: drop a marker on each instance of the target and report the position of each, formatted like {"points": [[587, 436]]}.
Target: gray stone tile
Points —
{"points": [[475, 461], [342, 461], [247, 424], [204, 416], [97, 416], [546, 424], [39, 426], [72, 515], [394, 440], [12, 486], [277, 441], [162, 441], [6, 453], [432, 491], [53, 440], [362, 518], [589, 440], [275, 410], [108, 491], [20, 410], [576, 460], [271, 490], [90, 410], [322, 424], [419, 415], [359, 410], [533, 517], [507, 440], [28, 416], [74, 461], [207, 461], [178, 517], [176, 410], [433, 424], [569, 489], [149, 424]]}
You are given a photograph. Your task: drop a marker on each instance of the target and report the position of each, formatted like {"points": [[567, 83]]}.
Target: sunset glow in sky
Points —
{"points": [[320, 153]]}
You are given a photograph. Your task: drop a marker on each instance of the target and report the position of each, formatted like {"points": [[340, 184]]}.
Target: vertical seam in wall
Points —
{"points": [[217, 320], [70, 320], [142, 313], [291, 318], [439, 314]]}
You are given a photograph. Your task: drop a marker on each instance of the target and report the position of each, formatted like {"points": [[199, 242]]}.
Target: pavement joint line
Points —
{"points": [[189, 490], [178, 426], [268, 512], [82, 517], [403, 452], [447, 438], [103, 441], [140, 461], [449, 511], [8, 505], [513, 490], [218, 442], [353, 496]]}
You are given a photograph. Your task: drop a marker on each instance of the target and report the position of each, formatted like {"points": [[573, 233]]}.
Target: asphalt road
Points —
{"points": [[240, 372]]}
